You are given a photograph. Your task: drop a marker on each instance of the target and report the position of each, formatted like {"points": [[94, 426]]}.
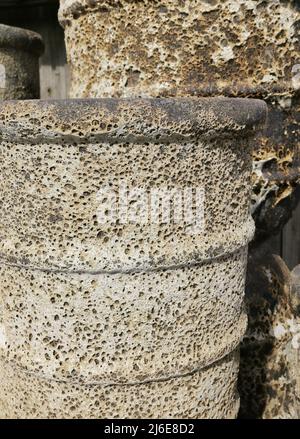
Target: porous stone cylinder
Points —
{"points": [[20, 50], [107, 313], [148, 48]]}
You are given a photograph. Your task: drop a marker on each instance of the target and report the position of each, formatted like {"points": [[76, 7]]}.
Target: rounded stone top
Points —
{"points": [[18, 38], [72, 9], [129, 120]]}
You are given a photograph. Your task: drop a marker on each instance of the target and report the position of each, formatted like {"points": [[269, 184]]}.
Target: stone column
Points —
{"points": [[20, 50], [110, 309]]}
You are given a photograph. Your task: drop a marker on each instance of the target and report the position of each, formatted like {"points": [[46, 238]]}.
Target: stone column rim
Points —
{"points": [[12, 37], [135, 119]]}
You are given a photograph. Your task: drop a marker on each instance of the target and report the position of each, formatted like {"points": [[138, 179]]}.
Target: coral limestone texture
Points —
{"points": [[120, 318]]}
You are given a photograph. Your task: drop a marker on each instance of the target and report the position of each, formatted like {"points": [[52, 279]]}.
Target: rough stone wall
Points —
{"points": [[19, 63], [96, 314]]}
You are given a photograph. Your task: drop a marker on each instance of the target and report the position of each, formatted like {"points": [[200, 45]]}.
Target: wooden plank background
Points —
{"points": [[41, 16]]}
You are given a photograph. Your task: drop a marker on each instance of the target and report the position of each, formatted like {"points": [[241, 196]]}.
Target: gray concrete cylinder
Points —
{"points": [[109, 316], [20, 50], [242, 48]]}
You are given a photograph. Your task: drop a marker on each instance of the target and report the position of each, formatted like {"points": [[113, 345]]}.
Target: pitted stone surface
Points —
{"points": [[123, 328], [96, 314], [193, 396], [243, 48], [269, 374], [276, 170], [177, 48], [56, 157], [20, 50]]}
